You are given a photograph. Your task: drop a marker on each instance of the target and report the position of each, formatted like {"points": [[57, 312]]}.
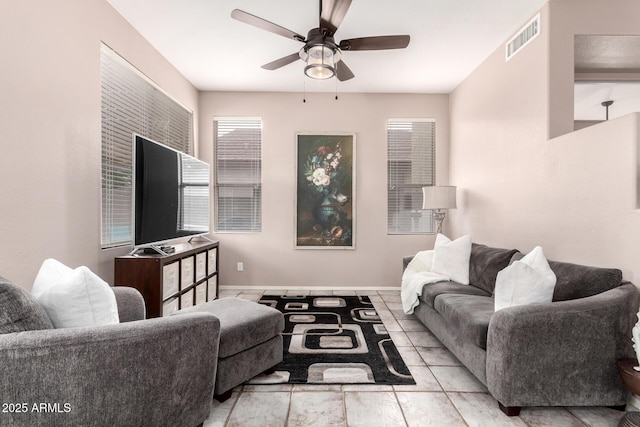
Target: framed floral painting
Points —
{"points": [[325, 191]]}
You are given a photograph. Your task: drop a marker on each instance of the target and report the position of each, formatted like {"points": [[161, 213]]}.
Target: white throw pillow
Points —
{"points": [[451, 258], [74, 298], [51, 271], [527, 281]]}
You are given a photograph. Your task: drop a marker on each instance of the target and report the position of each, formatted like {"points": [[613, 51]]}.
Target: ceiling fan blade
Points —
{"points": [[274, 65], [263, 24], [375, 43], [332, 13], [343, 72]]}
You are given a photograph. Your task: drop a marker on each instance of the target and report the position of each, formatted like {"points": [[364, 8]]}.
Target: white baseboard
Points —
{"points": [[312, 288]]}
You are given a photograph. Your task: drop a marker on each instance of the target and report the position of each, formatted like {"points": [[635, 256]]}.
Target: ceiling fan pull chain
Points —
{"points": [[336, 88]]}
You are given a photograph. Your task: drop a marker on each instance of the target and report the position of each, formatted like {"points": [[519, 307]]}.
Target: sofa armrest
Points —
{"points": [[562, 353], [405, 261], [144, 373], [130, 303]]}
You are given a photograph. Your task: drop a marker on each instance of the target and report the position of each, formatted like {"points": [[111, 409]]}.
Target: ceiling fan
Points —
{"points": [[321, 53]]}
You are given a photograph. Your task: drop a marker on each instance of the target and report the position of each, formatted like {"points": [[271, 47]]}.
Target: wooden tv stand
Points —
{"points": [[186, 277]]}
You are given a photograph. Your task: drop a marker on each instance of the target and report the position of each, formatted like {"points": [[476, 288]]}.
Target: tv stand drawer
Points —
{"points": [[201, 266], [186, 272], [170, 281]]}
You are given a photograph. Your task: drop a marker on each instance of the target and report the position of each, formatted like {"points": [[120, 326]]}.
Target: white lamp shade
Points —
{"points": [[439, 197]]}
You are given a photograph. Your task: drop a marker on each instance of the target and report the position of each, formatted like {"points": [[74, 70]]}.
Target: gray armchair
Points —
{"points": [[156, 372]]}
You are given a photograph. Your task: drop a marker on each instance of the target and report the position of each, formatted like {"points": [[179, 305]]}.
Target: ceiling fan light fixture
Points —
{"points": [[321, 61]]}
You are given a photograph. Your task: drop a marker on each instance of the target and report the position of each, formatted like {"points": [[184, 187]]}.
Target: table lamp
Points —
{"points": [[438, 198]]}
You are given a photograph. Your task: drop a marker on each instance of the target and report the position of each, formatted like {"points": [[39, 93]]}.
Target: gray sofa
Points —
{"points": [[558, 354], [156, 372]]}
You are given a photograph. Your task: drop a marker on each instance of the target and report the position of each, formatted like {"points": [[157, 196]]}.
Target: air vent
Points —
{"points": [[523, 37]]}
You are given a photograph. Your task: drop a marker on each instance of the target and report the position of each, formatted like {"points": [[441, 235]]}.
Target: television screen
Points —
{"points": [[171, 193]]}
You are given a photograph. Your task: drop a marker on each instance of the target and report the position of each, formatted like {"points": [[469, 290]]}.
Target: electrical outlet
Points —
{"points": [[240, 266]]}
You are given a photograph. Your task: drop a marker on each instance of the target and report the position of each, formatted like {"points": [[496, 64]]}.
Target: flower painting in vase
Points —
{"points": [[325, 194]]}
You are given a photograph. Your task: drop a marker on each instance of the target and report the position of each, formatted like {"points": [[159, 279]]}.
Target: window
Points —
{"points": [[410, 166], [238, 181], [132, 103], [193, 213]]}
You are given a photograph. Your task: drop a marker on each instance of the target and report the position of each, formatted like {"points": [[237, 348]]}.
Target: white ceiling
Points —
{"points": [[589, 97], [449, 39]]}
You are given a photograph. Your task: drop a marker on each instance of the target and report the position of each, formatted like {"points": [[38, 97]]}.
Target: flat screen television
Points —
{"points": [[171, 195]]}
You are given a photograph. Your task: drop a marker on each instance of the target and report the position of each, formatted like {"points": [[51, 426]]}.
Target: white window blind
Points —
{"points": [[410, 166], [193, 214], [238, 171], [131, 102]]}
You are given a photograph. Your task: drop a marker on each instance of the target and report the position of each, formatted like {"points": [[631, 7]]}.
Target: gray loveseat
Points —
{"points": [[558, 354], [156, 372]]}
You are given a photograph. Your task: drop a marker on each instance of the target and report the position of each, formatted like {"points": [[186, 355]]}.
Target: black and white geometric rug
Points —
{"points": [[336, 340]]}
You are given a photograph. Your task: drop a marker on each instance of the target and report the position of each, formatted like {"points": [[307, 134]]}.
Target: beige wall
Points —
{"points": [[50, 129], [574, 195], [269, 257]]}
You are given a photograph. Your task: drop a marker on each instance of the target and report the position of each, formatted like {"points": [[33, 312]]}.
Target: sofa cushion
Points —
{"points": [[51, 271], [485, 263], [432, 290], [575, 281], [74, 297], [469, 315], [19, 310], [243, 324], [451, 258], [527, 281]]}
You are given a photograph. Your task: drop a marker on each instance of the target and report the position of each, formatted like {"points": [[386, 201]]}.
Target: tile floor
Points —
{"points": [[445, 394]]}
